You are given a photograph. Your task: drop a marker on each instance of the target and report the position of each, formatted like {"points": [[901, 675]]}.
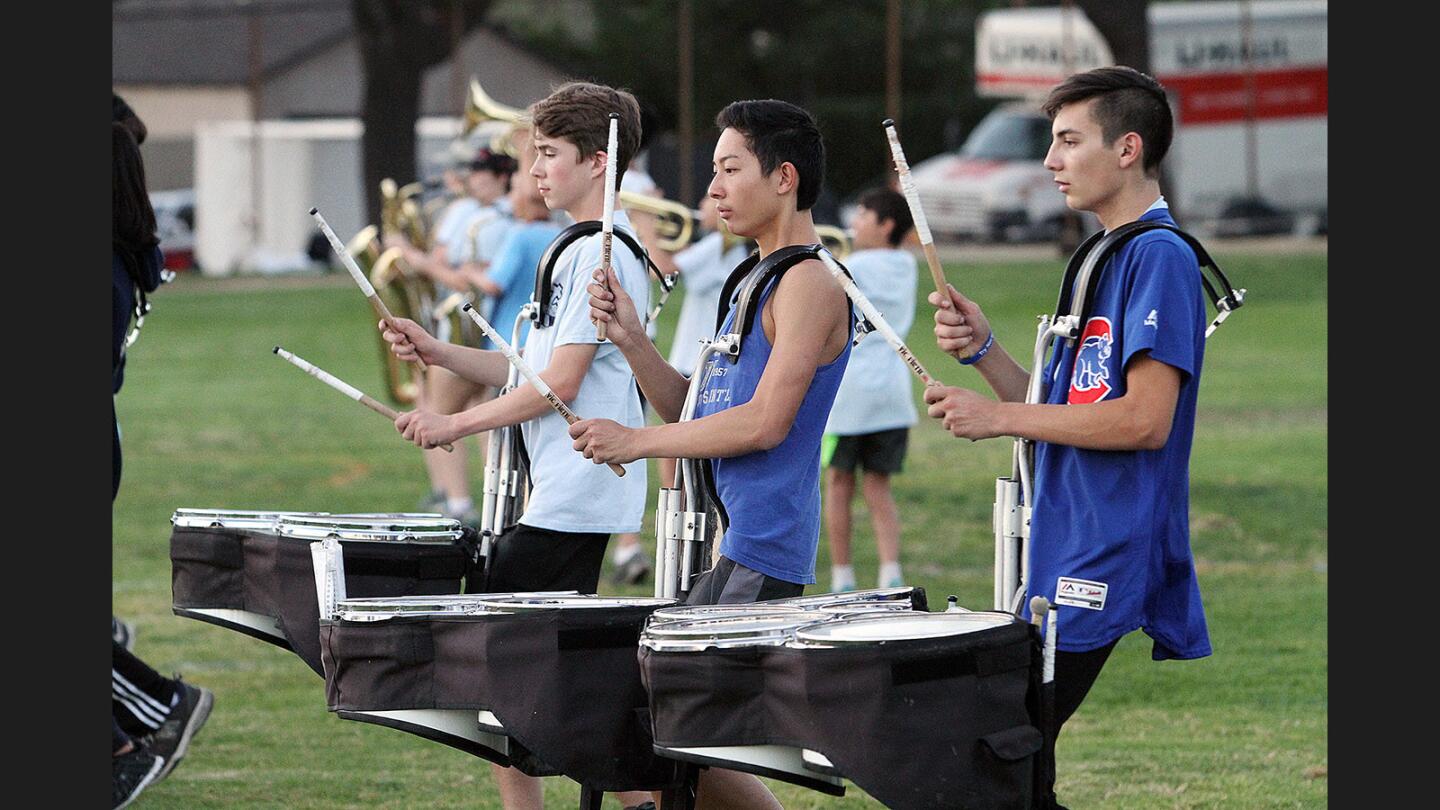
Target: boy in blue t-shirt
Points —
{"points": [[1109, 532]]}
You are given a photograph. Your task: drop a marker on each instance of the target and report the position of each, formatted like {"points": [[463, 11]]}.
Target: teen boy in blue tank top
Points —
{"points": [[761, 417], [1109, 538]]}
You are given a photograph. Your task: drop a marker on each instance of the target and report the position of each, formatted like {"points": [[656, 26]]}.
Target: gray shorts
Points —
{"points": [[730, 583]]}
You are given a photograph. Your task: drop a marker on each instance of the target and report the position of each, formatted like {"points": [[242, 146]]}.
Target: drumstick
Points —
{"points": [[607, 221], [873, 315], [912, 198], [1038, 607], [345, 388], [355, 273], [524, 368]]}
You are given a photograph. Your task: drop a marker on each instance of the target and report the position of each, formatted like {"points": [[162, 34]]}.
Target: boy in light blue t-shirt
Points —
{"points": [[870, 422]]}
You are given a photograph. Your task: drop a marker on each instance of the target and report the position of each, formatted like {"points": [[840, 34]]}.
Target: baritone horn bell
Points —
{"points": [[480, 108], [675, 224]]}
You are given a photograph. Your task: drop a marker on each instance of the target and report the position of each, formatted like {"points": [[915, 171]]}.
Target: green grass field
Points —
{"points": [[212, 419]]}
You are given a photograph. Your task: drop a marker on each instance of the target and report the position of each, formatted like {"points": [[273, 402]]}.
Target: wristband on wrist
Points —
{"points": [[975, 358]]}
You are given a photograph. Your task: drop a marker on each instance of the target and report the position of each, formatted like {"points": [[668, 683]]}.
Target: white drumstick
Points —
{"points": [[912, 198], [359, 276], [529, 373], [345, 388], [1050, 641], [873, 316], [607, 221]]}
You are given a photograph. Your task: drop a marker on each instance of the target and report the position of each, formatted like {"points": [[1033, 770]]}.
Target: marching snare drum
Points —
{"points": [[253, 572], [551, 678], [717, 682], [208, 571]]}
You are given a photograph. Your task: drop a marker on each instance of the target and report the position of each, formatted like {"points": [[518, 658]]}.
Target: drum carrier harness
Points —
{"points": [[1014, 495], [507, 464], [688, 524]]}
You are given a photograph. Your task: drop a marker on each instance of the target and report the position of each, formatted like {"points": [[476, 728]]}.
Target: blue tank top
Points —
{"points": [[772, 497]]}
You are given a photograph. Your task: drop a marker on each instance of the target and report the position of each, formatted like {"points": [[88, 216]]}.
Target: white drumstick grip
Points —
{"points": [[607, 221], [519, 363], [345, 257], [873, 315], [907, 185], [321, 375]]}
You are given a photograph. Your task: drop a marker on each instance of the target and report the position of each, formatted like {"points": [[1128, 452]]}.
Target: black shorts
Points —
{"points": [[879, 452], [730, 583], [531, 559]]}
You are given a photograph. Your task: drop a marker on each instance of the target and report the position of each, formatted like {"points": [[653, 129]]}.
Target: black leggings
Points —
{"points": [[1075, 673]]}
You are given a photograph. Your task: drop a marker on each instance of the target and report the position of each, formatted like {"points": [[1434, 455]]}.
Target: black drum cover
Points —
{"points": [[950, 722], [564, 683], [261, 572]]}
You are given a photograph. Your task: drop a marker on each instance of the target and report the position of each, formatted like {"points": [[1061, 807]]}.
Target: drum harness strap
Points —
{"points": [[542, 315], [685, 527], [1014, 495]]}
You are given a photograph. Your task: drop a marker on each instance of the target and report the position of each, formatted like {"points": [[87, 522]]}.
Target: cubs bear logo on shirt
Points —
{"points": [[1091, 380]]}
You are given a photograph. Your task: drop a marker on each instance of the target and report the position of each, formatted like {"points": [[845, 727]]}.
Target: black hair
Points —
{"points": [[887, 203], [121, 113], [133, 219], [780, 132], [1128, 101]]}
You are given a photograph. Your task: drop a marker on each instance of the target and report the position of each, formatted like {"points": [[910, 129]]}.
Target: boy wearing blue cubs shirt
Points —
{"points": [[1109, 532]]}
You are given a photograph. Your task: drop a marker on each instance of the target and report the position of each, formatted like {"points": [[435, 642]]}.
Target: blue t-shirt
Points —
{"points": [[514, 271], [1110, 530], [772, 497]]}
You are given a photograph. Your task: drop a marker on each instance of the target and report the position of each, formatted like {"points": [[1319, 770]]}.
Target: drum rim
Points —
{"points": [[673, 629], [377, 529], [898, 593], [196, 518], [807, 633], [579, 600]]}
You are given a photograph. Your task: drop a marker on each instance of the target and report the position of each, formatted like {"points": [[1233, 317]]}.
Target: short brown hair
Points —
{"points": [[579, 112], [1128, 101]]}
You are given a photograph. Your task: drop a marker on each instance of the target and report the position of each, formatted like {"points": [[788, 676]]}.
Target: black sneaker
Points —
{"points": [[133, 772], [123, 633], [186, 717]]}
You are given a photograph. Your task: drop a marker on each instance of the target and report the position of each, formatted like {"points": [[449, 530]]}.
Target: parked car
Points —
{"points": [[175, 221]]}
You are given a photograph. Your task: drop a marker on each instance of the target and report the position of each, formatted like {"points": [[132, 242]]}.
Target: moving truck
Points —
{"points": [[1250, 136]]}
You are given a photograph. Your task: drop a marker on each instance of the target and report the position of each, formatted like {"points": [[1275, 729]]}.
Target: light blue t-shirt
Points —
{"points": [[451, 224], [704, 266], [876, 392], [570, 493], [513, 270]]}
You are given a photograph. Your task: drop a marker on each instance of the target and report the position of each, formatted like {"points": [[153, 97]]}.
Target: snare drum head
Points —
{"points": [[377, 528], [854, 608], [544, 601], [901, 594], [689, 612], [742, 626], [232, 518], [377, 608], [871, 628]]}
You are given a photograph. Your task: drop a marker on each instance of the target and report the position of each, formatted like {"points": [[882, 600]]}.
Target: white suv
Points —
{"points": [[995, 187]]}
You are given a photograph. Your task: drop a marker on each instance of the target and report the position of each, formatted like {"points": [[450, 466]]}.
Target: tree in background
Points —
{"points": [[399, 40], [825, 55]]}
